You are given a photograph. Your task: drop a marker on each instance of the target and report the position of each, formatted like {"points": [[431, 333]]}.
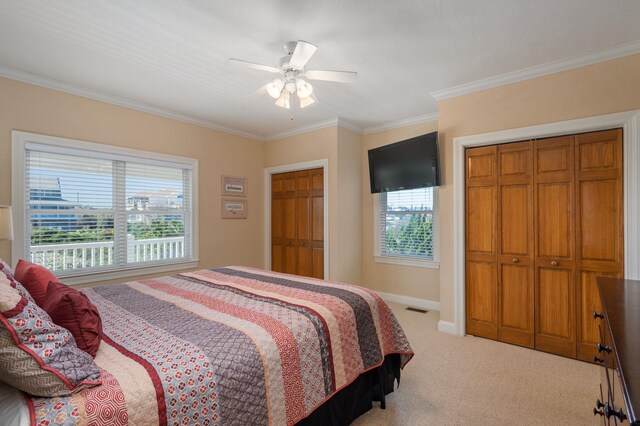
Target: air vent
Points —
{"points": [[422, 311]]}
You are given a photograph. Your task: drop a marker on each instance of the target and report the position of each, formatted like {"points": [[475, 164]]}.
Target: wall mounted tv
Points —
{"points": [[402, 165]]}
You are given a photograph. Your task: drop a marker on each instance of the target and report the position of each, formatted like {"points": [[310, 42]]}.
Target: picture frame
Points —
{"points": [[234, 186], [234, 209]]}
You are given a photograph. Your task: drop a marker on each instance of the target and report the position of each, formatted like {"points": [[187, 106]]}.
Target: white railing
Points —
{"points": [[58, 257]]}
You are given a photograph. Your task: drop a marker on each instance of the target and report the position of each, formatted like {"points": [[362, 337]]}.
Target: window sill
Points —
{"points": [[86, 277], [407, 262]]}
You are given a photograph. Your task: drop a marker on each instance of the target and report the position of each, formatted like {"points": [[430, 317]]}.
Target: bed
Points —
{"points": [[231, 346]]}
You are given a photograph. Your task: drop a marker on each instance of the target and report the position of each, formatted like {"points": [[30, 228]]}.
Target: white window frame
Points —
{"points": [[378, 257], [18, 169]]}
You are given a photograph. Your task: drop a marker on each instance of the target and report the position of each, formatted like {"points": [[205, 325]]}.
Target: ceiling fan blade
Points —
{"points": [[254, 65], [301, 55], [339, 76]]}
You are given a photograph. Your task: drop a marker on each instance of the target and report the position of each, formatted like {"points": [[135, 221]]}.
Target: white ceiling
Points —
{"points": [[171, 54]]}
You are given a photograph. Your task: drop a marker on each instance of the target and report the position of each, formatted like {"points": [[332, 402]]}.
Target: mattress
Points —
{"points": [[229, 346]]}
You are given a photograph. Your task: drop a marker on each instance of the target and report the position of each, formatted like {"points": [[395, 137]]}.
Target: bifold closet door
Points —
{"points": [[297, 223], [481, 242], [555, 329], [599, 226], [544, 219], [516, 248]]}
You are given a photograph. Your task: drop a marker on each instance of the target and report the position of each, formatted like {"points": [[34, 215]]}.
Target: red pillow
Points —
{"points": [[71, 309], [34, 278]]}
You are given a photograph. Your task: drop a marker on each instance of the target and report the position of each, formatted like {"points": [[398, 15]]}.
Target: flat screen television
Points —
{"points": [[409, 164]]}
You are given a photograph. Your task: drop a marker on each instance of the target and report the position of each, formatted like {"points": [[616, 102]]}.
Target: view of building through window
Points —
{"points": [[88, 212]]}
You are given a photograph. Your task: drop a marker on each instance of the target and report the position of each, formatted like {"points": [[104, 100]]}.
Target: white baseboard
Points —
{"points": [[447, 327], [410, 301]]}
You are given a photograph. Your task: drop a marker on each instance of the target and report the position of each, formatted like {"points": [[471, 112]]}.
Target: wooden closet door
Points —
{"points": [[481, 242], [555, 329], [297, 223], [599, 226], [516, 248]]}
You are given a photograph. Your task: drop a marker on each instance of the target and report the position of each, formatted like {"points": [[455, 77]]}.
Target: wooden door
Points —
{"points": [[599, 226], [297, 223], [515, 248], [555, 329], [481, 242]]}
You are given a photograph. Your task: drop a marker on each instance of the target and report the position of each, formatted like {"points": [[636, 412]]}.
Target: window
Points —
{"points": [[406, 227], [89, 208]]}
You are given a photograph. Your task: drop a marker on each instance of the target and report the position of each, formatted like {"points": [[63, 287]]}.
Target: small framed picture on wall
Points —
{"points": [[234, 186], [234, 209]]}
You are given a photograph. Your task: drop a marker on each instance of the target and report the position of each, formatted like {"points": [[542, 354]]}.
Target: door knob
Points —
{"points": [[554, 263], [597, 315], [609, 411], [602, 348], [514, 260]]}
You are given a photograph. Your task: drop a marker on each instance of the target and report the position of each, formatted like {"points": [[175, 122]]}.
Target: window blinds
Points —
{"points": [[406, 223], [87, 209]]}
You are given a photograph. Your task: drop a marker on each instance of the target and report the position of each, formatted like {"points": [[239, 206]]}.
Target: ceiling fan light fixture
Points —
{"points": [[274, 88], [303, 88], [284, 101], [294, 75]]}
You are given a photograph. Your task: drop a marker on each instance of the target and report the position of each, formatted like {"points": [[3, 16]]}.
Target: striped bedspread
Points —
{"points": [[229, 346]]}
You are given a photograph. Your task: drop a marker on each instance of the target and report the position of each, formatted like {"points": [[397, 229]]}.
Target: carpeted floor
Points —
{"points": [[473, 381]]}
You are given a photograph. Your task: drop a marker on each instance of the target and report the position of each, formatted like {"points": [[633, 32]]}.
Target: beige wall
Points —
{"points": [[599, 89], [316, 145], [342, 149], [349, 256], [35, 109], [410, 281]]}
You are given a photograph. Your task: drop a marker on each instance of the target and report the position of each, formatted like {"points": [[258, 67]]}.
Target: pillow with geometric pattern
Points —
{"points": [[6, 277], [36, 355]]}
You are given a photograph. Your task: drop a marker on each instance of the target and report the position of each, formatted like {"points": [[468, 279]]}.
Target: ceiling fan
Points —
{"points": [[295, 75]]}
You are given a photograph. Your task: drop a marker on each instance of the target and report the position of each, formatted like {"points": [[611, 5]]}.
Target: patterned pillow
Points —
{"points": [[36, 355], [6, 277], [4, 266]]}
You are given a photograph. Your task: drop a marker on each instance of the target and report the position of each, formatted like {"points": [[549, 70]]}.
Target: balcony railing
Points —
{"points": [[58, 257]]}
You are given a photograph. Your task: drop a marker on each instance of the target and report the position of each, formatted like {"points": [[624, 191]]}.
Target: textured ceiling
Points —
{"points": [[171, 54]]}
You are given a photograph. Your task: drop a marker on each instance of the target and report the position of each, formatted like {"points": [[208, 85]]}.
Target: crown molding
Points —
{"points": [[620, 51], [49, 83], [332, 122], [72, 89], [402, 123], [349, 126]]}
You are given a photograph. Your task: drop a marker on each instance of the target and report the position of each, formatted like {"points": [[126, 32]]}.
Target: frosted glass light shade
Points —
{"points": [[305, 102], [284, 101], [275, 88], [304, 88], [6, 223]]}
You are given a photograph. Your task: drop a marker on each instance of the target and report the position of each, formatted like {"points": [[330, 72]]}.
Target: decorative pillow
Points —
{"points": [[6, 277], [4, 267], [36, 355], [71, 309], [35, 279]]}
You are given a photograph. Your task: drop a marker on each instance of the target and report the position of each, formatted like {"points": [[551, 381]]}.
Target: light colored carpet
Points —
{"points": [[469, 380]]}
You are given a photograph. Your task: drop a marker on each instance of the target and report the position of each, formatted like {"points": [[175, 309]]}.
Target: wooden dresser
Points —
{"points": [[619, 351]]}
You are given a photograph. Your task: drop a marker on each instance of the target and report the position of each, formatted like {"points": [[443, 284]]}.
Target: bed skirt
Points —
{"points": [[357, 398]]}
